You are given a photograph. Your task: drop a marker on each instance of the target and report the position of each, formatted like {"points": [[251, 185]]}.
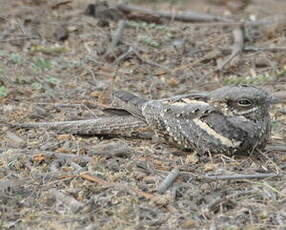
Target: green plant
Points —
{"points": [[276, 126], [148, 40], [258, 79], [53, 80], [281, 72], [3, 53], [37, 86], [42, 64], [3, 91], [15, 58]]}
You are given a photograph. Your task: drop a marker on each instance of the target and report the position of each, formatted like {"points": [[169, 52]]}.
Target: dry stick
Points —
{"points": [[117, 35], [271, 49], [236, 48], [89, 177], [131, 50], [123, 56], [149, 62], [92, 178], [17, 39], [132, 12], [183, 17], [68, 201], [63, 156], [168, 181], [63, 105], [8, 185], [280, 95], [218, 201], [249, 49], [237, 176], [212, 53], [226, 177], [282, 111], [111, 149]]}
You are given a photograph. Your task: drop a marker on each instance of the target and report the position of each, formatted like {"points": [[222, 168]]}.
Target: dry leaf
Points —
{"points": [[209, 167], [39, 158]]}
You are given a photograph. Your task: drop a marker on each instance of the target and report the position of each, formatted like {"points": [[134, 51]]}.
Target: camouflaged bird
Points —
{"points": [[229, 120]]}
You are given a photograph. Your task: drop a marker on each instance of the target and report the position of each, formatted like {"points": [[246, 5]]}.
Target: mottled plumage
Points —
{"points": [[228, 120]]}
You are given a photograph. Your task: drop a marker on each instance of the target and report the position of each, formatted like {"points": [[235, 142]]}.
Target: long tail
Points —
{"points": [[107, 125]]}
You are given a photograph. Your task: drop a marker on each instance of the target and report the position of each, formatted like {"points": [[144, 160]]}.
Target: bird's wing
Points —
{"points": [[195, 125], [199, 96], [129, 102], [133, 104]]}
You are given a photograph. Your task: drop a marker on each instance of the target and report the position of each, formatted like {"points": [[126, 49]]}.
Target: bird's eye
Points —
{"points": [[244, 102]]}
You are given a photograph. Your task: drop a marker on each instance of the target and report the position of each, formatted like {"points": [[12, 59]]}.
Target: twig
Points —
{"points": [[124, 55], [168, 181], [17, 39], [149, 62], [249, 49], [131, 12], [92, 178], [218, 201], [256, 49], [9, 185], [281, 111], [62, 156], [262, 153], [15, 139], [132, 50], [117, 36], [183, 17], [210, 55], [226, 177], [281, 96], [237, 176], [63, 105], [69, 201], [53, 176], [118, 33], [236, 48], [113, 149], [20, 26]]}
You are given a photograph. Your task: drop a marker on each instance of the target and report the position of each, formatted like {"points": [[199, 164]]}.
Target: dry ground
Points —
{"points": [[44, 182]]}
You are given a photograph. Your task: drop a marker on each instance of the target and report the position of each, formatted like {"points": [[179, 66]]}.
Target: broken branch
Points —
{"points": [[168, 181], [236, 48], [188, 16]]}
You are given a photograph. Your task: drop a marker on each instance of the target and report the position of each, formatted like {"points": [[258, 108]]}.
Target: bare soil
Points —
{"points": [[54, 67]]}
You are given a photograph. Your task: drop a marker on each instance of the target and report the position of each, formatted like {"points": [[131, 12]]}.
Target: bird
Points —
{"points": [[229, 120]]}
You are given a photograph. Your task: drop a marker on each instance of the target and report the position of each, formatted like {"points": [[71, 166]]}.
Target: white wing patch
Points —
{"points": [[224, 140], [186, 101]]}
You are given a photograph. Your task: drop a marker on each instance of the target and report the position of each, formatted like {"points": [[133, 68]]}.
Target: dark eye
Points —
{"points": [[244, 102]]}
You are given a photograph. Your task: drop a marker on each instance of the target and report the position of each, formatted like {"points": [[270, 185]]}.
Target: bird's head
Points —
{"points": [[247, 101]]}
